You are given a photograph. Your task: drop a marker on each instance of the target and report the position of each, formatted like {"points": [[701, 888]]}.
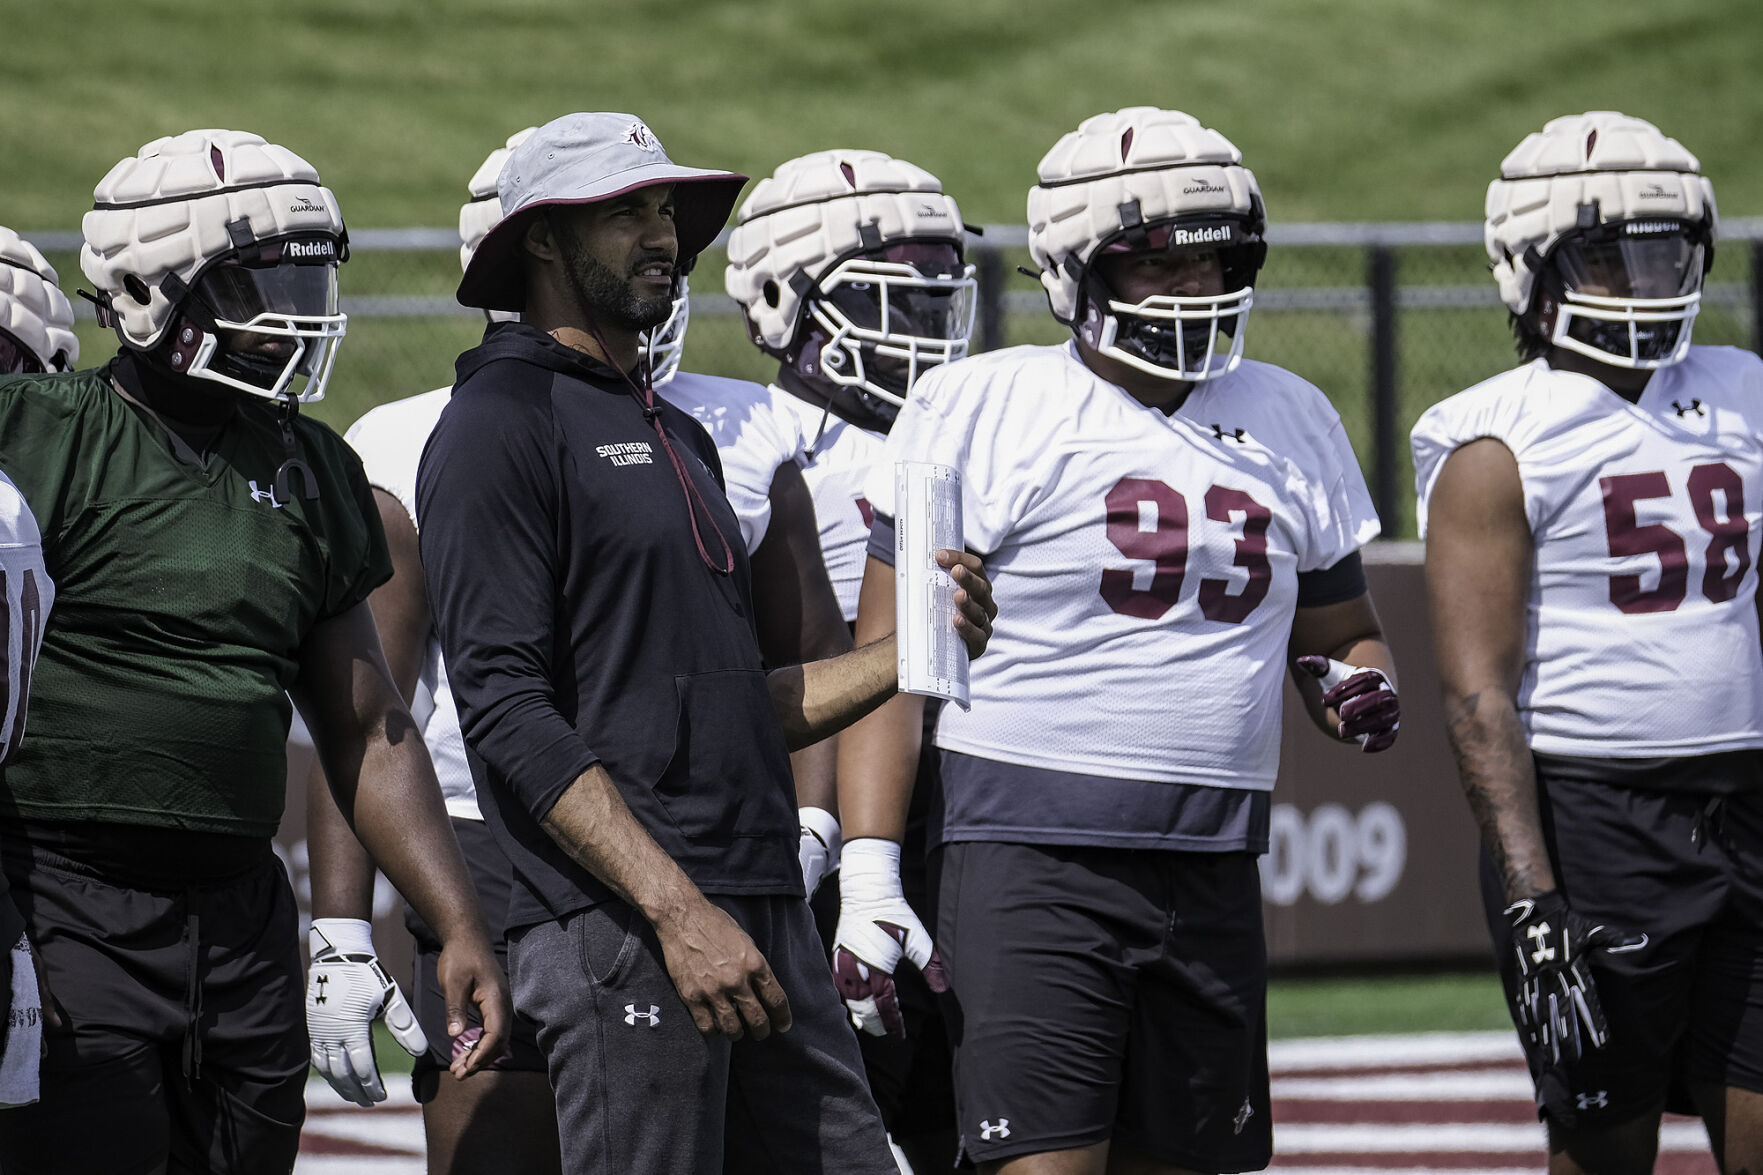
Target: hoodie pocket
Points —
{"points": [[729, 775]]}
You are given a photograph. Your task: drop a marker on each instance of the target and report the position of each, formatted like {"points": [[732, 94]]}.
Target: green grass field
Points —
{"points": [[1352, 110]]}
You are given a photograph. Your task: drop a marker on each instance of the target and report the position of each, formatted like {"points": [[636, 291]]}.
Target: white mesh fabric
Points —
{"points": [[166, 209], [33, 309], [1627, 166], [478, 215], [1163, 159], [800, 221]]}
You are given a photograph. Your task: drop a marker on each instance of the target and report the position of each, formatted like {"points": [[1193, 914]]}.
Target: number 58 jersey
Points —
{"points": [[1641, 625], [1145, 566]]}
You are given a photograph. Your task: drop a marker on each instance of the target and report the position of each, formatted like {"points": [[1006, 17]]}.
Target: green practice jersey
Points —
{"points": [[184, 596]]}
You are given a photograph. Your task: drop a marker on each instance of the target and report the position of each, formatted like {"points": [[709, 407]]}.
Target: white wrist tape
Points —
{"points": [[343, 936]]}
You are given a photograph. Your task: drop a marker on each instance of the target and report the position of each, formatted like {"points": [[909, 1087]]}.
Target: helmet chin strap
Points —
{"points": [[166, 364], [802, 373], [284, 474]]}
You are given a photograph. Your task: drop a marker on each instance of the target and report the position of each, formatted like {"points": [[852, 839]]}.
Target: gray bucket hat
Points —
{"points": [[584, 159]]}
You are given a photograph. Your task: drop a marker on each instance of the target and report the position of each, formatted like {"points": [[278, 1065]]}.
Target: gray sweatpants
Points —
{"points": [[640, 1090]]}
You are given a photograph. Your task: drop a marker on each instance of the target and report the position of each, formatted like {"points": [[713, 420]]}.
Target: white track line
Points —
{"points": [[1360, 1052], [1407, 1087], [1445, 1138], [1309, 1170]]}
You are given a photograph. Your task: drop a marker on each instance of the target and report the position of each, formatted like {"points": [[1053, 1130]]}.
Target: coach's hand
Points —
{"points": [[974, 609], [876, 928], [1557, 1002], [346, 991], [1364, 697], [470, 976], [720, 974]]}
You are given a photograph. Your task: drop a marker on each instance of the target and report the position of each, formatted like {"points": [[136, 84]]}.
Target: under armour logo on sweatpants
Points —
{"points": [[1593, 1101], [1243, 1116], [988, 1131], [652, 1017]]}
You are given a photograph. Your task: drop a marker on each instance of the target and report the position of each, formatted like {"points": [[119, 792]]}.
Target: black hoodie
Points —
{"points": [[580, 624]]}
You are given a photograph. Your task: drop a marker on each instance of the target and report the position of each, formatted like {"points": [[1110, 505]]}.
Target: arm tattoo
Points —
{"points": [[1499, 779]]}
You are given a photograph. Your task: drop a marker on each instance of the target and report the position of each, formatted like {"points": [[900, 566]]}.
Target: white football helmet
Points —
{"points": [[478, 215], [36, 321], [1141, 179], [209, 240], [663, 346], [1600, 230], [849, 266]]}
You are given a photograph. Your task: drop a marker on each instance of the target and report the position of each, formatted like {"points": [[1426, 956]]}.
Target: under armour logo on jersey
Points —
{"points": [[639, 135], [1243, 1116], [268, 495], [988, 1131], [652, 1017], [1540, 932], [1238, 435], [1593, 1101], [321, 997], [1685, 409]]}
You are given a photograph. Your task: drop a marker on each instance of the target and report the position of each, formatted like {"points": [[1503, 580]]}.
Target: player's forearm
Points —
{"points": [[1498, 775], [815, 770], [402, 820], [878, 764], [341, 871], [821, 698], [594, 825]]}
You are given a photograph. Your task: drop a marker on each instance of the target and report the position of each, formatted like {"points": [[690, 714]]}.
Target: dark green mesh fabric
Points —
{"points": [[183, 597]]}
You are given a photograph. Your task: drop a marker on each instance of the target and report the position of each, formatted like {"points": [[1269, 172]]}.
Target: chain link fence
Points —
{"points": [[1387, 319]]}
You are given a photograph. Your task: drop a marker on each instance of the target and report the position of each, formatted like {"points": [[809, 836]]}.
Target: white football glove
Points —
{"points": [[877, 927], [346, 991], [819, 847]]}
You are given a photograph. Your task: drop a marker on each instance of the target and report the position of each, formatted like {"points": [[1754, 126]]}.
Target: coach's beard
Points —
{"points": [[607, 297]]}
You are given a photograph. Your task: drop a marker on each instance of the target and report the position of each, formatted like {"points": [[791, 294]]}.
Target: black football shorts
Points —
{"points": [[1685, 868], [184, 1043], [1101, 993]]}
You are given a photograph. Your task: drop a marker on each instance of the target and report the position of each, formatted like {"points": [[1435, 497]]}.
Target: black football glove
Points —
{"points": [[1557, 1003]]}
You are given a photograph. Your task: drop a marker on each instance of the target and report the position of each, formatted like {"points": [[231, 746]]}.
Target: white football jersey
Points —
{"points": [[390, 440], [1641, 630], [836, 457], [1145, 566], [752, 440], [28, 595]]}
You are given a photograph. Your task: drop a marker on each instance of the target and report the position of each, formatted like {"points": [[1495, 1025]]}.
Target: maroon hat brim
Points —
{"points": [[496, 277]]}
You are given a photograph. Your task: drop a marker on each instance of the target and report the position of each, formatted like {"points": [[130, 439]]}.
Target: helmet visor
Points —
{"points": [[237, 293], [918, 290], [1222, 241], [1643, 267], [16, 358]]}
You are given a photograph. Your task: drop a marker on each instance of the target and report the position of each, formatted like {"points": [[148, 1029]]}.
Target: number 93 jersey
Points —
{"points": [[1145, 566], [1641, 626]]}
